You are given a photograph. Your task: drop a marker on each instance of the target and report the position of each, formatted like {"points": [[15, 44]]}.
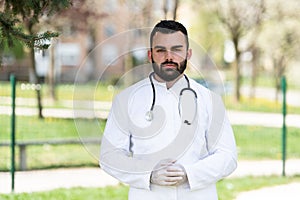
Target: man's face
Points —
{"points": [[169, 55]]}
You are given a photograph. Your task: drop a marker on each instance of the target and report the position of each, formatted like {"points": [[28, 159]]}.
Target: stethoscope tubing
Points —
{"points": [[188, 88], [149, 114], [153, 91]]}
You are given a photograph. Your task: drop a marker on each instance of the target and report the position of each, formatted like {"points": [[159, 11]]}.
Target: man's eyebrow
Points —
{"points": [[176, 46], [163, 47], [159, 47]]}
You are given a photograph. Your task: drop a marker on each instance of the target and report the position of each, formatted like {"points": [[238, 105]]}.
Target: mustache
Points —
{"points": [[169, 63]]}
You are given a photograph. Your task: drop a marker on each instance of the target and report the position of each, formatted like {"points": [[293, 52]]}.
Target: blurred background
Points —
{"points": [[251, 42], [71, 57]]}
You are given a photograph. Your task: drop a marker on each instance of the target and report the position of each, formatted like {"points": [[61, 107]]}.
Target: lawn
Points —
{"points": [[258, 143], [33, 128], [104, 92], [257, 105], [91, 91], [49, 156], [227, 190], [253, 142]]}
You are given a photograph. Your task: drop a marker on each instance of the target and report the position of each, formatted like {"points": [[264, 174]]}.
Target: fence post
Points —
{"points": [[13, 123], [23, 163], [283, 87]]}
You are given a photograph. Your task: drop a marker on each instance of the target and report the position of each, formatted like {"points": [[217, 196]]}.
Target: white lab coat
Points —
{"points": [[209, 157]]}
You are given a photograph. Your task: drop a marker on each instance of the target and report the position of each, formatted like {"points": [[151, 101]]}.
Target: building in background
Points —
{"points": [[84, 55]]}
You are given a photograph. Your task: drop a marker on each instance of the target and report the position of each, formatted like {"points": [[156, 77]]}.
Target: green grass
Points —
{"points": [[257, 105], [228, 189], [53, 156], [101, 92], [258, 143], [264, 79], [253, 142], [50, 156], [91, 91], [33, 128], [267, 80], [109, 193]]}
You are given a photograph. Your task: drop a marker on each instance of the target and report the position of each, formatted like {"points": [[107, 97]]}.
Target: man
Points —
{"points": [[167, 136]]}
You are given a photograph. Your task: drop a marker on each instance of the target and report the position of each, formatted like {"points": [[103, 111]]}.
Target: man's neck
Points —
{"points": [[169, 84]]}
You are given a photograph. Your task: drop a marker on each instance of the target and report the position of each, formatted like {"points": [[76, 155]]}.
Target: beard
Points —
{"points": [[169, 74]]}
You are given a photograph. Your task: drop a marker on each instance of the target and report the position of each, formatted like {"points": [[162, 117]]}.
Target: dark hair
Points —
{"points": [[168, 27]]}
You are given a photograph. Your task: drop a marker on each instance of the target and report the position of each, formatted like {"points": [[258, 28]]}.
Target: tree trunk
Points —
{"points": [[253, 81], [1, 53], [165, 8], [175, 9], [51, 75], [279, 70], [237, 70], [237, 81], [34, 77], [277, 89], [35, 81], [255, 53]]}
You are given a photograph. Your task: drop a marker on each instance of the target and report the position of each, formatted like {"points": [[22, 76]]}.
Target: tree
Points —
{"points": [[18, 20], [239, 18], [281, 45], [80, 17], [14, 15], [206, 30], [167, 6]]}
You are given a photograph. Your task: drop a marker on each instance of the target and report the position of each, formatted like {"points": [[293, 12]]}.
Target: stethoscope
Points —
{"points": [[149, 114]]}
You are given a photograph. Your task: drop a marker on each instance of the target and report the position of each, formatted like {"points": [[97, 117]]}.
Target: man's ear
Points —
{"points": [[189, 54], [150, 55]]}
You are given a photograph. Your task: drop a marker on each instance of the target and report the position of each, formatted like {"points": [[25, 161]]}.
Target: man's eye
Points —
{"points": [[176, 50], [160, 50]]}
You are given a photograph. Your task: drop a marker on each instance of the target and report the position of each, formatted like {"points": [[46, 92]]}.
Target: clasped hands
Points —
{"points": [[168, 173]]}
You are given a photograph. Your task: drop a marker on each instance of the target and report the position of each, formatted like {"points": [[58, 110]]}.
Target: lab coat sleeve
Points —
{"points": [[114, 154], [221, 159]]}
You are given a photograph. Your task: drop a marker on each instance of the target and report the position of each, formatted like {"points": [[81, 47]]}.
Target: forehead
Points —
{"points": [[169, 39]]}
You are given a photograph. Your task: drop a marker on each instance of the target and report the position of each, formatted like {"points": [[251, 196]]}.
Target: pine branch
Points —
{"points": [[9, 31]]}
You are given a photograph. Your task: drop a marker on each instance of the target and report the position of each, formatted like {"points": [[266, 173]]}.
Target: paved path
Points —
{"points": [[262, 119], [267, 168], [43, 180], [281, 192], [235, 117]]}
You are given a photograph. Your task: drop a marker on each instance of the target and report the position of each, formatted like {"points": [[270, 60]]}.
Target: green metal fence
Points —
{"points": [[54, 142]]}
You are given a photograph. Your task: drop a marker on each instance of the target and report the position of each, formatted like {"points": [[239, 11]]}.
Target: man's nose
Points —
{"points": [[169, 55]]}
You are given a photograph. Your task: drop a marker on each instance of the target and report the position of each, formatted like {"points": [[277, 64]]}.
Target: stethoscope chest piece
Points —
{"points": [[149, 115]]}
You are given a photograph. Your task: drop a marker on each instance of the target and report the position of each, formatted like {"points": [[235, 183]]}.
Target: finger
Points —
{"points": [[172, 180], [163, 166], [173, 168], [169, 183], [174, 174], [167, 162]]}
